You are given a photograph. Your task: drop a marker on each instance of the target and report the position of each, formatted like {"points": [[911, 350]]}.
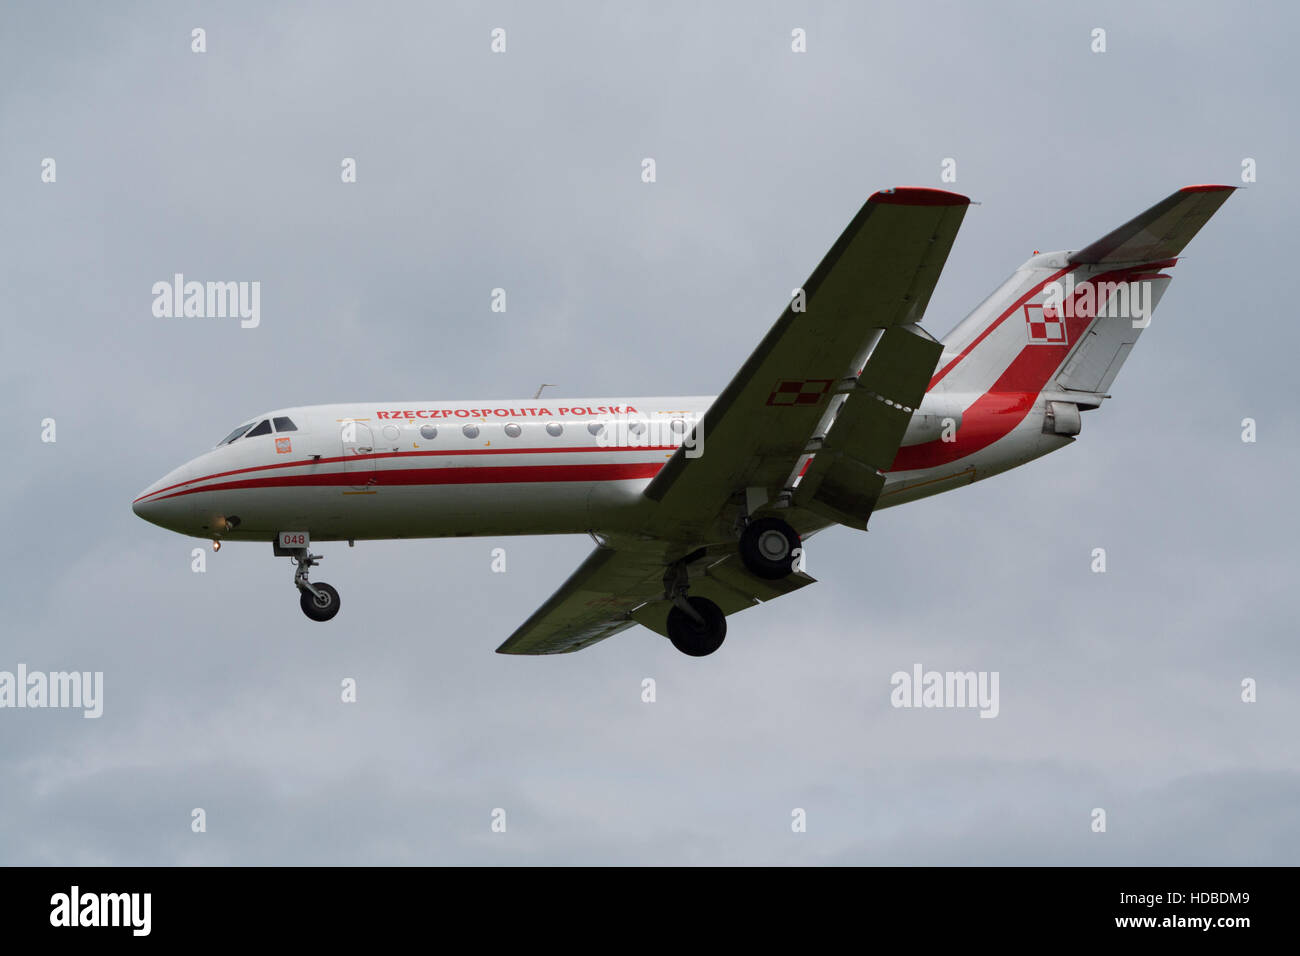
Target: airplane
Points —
{"points": [[699, 506]]}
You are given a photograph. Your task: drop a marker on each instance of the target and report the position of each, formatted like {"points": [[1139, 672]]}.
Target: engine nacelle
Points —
{"points": [[1062, 418]]}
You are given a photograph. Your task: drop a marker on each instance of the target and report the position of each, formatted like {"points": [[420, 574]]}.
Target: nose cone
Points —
{"points": [[145, 508], [164, 504]]}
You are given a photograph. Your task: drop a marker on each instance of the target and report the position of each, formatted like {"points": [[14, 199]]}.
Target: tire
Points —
{"points": [[316, 610], [767, 548], [689, 636]]}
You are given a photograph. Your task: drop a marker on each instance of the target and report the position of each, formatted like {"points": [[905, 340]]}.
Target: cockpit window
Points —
{"points": [[238, 432], [283, 424], [263, 428]]}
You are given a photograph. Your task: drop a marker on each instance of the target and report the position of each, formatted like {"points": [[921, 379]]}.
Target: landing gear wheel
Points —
{"points": [[322, 607], [693, 637], [767, 548]]}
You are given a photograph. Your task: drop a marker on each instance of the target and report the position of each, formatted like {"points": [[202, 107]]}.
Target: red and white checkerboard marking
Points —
{"points": [[799, 391], [1046, 326]]}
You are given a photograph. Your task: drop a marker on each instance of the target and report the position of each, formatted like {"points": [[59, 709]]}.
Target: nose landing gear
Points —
{"points": [[319, 601]]}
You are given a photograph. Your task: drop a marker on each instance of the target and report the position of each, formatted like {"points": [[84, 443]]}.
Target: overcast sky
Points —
{"points": [[521, 170]]}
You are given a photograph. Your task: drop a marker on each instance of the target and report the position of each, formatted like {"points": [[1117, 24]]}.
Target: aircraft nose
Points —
{"points": [[159, 505], [145, 507], [149, 503]]}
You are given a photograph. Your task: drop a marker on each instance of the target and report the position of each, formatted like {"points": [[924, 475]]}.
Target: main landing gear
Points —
{"points": [[696, 625], [319, 601], [769, 548]]}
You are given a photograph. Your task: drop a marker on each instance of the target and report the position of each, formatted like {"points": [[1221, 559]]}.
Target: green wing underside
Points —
{"points": [[860, 305]]}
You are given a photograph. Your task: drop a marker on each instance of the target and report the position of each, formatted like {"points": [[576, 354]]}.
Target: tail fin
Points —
{"points": [[1066, 321]]}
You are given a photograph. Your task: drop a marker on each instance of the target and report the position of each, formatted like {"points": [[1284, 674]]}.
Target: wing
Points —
{"points": [[596, 602], [616, 588], [865, 298], [878, 275]]}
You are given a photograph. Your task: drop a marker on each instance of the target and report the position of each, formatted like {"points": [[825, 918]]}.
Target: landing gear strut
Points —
{"points": [[769, 548], [319, 601], [696, 625]]}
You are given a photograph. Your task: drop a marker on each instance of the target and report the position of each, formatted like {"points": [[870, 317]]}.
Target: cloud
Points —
{"points": [[521, 171]]}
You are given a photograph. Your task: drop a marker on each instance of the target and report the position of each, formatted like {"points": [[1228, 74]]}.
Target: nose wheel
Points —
{"points": [[318, 601]]}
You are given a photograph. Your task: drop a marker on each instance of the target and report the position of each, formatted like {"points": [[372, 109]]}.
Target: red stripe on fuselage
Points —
{"points": [[523, 474], [398, 454]]}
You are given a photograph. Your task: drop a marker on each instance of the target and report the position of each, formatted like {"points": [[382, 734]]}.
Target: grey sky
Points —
{"points": [[521, 171]]}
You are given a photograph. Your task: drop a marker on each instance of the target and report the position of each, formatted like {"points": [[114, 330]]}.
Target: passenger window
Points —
{"points": [[555, 429], [263, 428], [428, 432], [470, 431], [283, 424], [513, 430]]}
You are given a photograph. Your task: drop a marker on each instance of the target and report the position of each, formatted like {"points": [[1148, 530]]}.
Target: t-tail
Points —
{"points": [[1046, 346]]}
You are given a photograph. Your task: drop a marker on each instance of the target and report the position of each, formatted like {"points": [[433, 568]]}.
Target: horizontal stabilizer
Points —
{"points": [[1161, 232]]}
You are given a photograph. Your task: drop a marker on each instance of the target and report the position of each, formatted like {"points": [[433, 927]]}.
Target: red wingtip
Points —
{"points": [[1207, 188], [918, 196]]}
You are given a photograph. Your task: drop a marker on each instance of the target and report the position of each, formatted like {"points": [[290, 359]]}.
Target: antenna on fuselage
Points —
{"points": [[539, 390]]}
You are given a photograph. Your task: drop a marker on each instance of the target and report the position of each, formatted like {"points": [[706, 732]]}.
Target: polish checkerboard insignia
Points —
{"points": [[802, 391], [1046, 326]]}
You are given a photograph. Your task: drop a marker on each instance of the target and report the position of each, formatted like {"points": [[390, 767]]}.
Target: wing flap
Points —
{"points": [[846, 475]]}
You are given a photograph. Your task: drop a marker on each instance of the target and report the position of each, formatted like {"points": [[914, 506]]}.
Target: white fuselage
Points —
{"points": [[441, 469]]}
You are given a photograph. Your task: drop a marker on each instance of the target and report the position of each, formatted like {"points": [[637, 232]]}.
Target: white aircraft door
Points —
{"points": [[358, 453]]}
